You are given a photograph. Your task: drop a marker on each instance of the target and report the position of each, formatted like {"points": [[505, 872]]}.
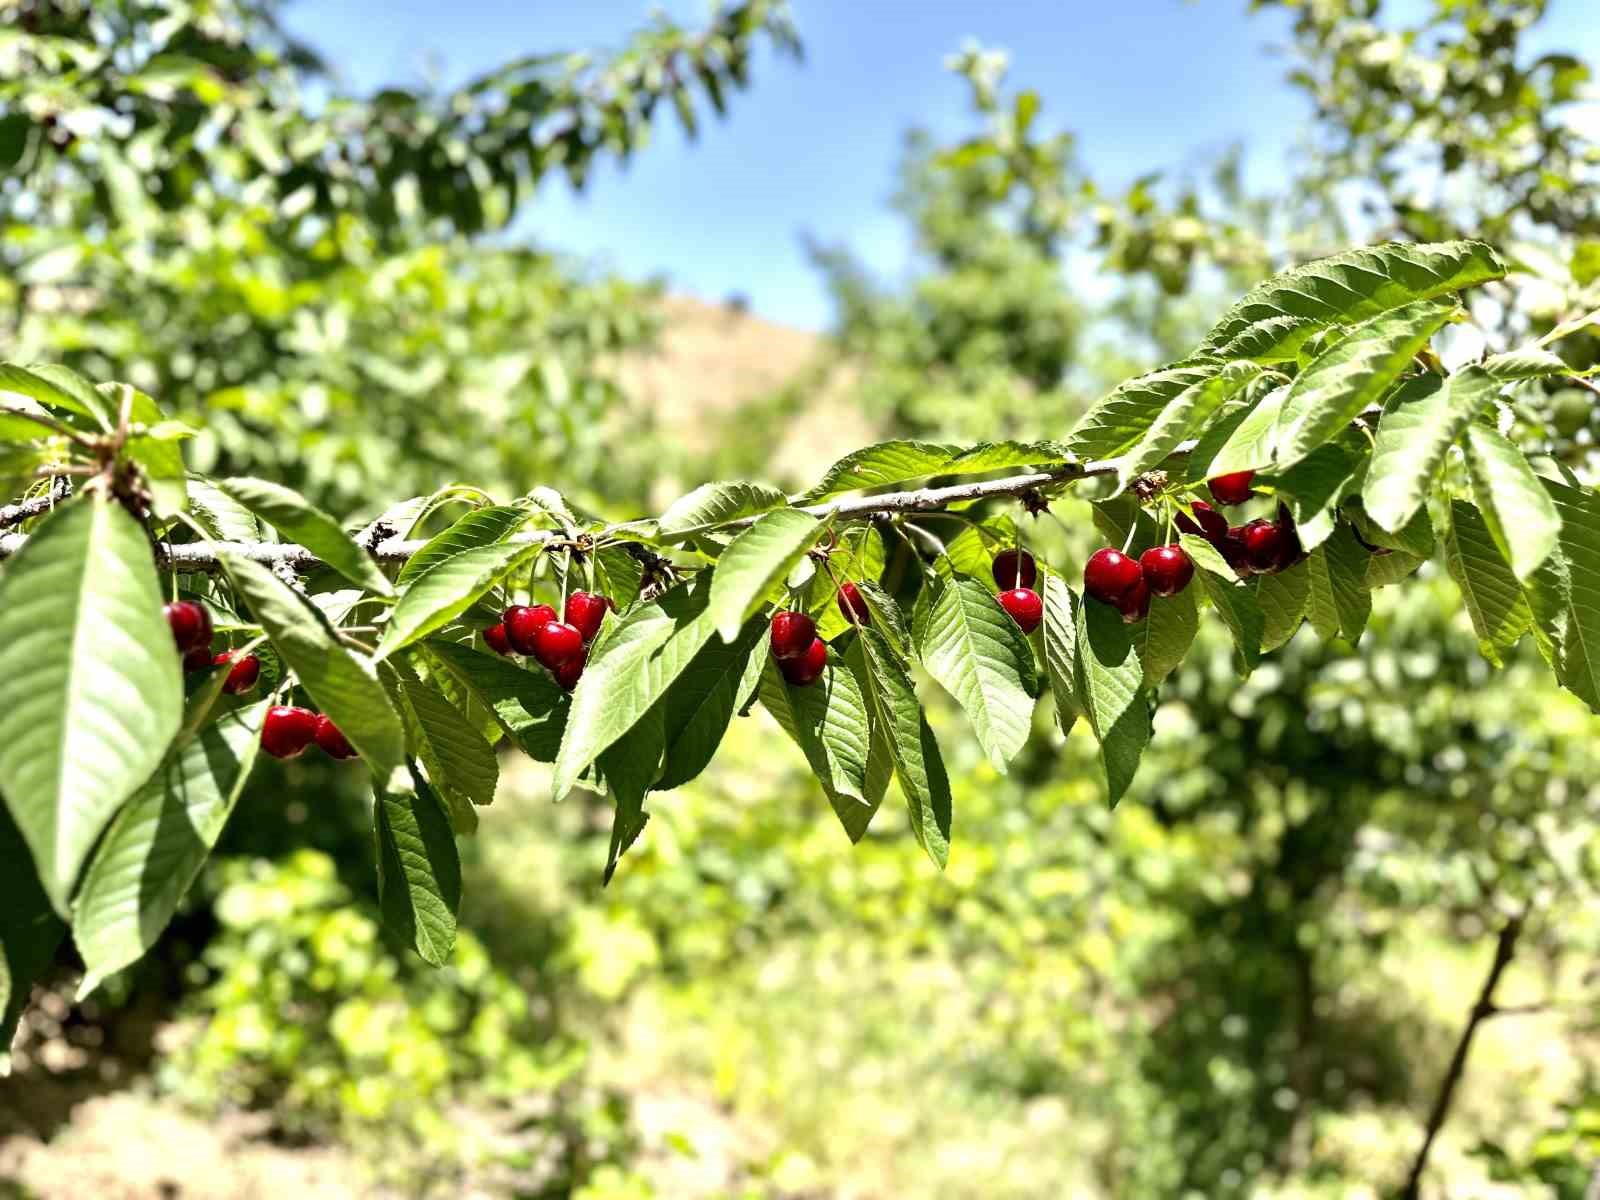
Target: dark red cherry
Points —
{"points": [[523, 623], [1207, 522], [190, 624], [556, 643], [1109, 573], [1014, 569], [495, 637], [806, 669], [854, 605], [197, 659], [1233, 488], [243, 674], [1023, 606], [1264, 544], [792, 635], [1167, 570], [1293, 551], [287, 730], [585, 611], [1134, 604], [331, 740], [1232, 549], [569, 672]]}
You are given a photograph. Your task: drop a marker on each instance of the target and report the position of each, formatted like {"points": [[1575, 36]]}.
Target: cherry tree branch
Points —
{"points": [[15, 514], [202, 557]]}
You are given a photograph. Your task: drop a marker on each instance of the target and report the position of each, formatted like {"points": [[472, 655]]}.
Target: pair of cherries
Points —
{"points": [[801, 654], [192, 631], [1021, 603], [288, 730], [560, 646], [1259, 547], [1127, 584]]}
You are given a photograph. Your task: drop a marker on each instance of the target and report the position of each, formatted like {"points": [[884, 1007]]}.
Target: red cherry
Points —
{"points": [[1109, 573], [1263, 546], [569, 672], [585, 611], [287, 731], [1231, 547], [1231, 489], [1134, 604], [556, 643], [244, 674], [495, 637], [1167, 570], [190, 624], [1293, 551], [332, 742], [523, 624], [1023, 606], [854, 605], [1207, 522], [197, 659], [806, 668], [1014, 569], [792, 635]]}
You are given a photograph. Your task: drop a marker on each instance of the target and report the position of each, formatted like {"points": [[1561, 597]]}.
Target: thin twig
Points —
{"points": [[1505, 947], [15, 514]]}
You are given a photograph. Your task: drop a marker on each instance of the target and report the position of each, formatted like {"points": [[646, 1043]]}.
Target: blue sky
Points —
{"points": [[812, 147]]}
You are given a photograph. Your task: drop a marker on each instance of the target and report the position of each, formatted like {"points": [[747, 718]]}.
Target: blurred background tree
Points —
{"points": [[1246, 981]]}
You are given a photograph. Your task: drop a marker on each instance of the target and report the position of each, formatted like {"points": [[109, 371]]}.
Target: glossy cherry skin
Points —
{"points": [[1232, 548], [1134, 605], [1207, 522], [585, 611], [1231, 489], [1014, 569], [1264, 544], [1293, 551], [190, 624], [1109, 573], [1167, 570], [792, 635], [331, 741], [806, 669], [242, 675], [854, 605], [523, 624], [556, 643], [569, 672], [287, 730], [495, 638], [1023, 606], [197, 659]]}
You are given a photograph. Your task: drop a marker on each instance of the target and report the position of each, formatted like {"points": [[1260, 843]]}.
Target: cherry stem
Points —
{"points": [[1127, 542]]}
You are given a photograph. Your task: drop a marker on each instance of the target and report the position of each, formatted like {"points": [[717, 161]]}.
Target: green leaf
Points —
{"points": [[529, 705], [1236, 603], [1283, 599], [617, 574], [713, 504], [1182, 418], [1125, 415], [631, 766], [302, 522], [480, 527], [340, 682], [980, 656], [757, 561], [1578, 656], [1166, 634], [1059, 631], [1316, 486], [1420, 422], [460, 763], [1249, 447], [918, 764], [1273, 319], [1529, 362], [1206, 557], [90, 688], [652, 646], [1343, 382], [1225, 422], [1489, 591], [1519, 512], [30, 933], [1384, 570], [717, 683], [903, 461], [1111, 693], [887, 616], [59, 388], [448, 589], [830, 723], [159, 841], [1338, 604], [219, 514], [419, 873]]}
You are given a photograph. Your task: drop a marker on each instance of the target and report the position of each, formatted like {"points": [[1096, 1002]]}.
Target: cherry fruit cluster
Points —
{"points": [[560, 646], [192, 630], [287, 731]]}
